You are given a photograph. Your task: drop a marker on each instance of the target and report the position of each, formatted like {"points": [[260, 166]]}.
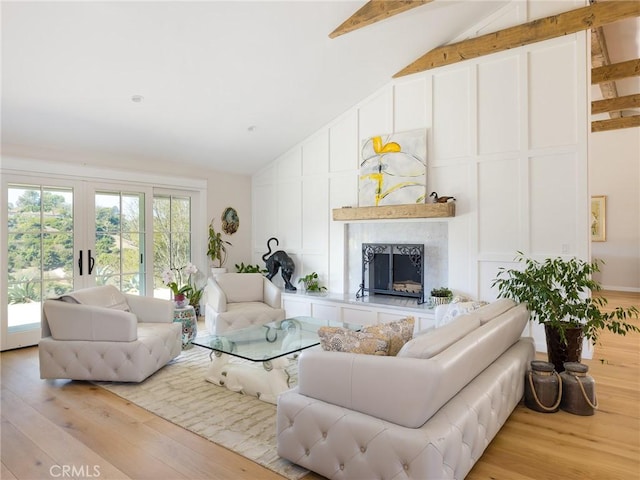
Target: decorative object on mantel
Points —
{"points": [[440, 296], [393, 169], [437, 199], [416, 210], [230, 221], [312, 284], [598, 218], [279, 260], [217, 248]]}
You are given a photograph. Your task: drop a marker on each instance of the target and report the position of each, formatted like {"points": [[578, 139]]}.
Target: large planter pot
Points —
{"points": [[560, 352], [216, 270]]}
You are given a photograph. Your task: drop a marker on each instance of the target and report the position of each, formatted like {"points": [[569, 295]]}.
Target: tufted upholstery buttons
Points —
{"points": [[363, 449], [306, 452], [324, 435], [405, 466], [157, 343], [342, 466]]}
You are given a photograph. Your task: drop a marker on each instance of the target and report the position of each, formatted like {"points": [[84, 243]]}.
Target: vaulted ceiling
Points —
{"points": [[228, 85]]}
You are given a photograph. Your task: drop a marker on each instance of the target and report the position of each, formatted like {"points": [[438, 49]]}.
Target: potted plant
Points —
{"points": [[311, 283], [558, 295], [242, 268], [440, 296], [216, 248]]}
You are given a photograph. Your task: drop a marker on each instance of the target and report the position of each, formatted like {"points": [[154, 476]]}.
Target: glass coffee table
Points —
{"points": [[254, 360]]}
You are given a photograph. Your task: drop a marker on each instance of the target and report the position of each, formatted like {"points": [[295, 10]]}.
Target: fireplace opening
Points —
{"points": [[393, 269]]}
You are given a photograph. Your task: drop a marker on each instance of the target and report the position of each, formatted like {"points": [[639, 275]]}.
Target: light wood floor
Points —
{"points": [[49, 425]]}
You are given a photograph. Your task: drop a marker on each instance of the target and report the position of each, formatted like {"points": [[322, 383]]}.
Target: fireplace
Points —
{"points": [[393, 269]]}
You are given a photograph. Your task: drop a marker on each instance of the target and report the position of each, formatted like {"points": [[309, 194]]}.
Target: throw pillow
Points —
{"points": [[398, 333], [338, 339], [457, 309]]}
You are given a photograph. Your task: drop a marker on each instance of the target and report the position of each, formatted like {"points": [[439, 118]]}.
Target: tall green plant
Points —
{"points": [[558, 293], [217, 247]]}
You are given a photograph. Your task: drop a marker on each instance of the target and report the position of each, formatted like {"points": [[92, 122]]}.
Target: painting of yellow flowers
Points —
{"points": [[393, 169]]}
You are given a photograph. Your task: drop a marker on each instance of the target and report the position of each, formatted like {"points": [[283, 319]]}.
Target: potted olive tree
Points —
{"points": [[558, 295], [217, 250]]}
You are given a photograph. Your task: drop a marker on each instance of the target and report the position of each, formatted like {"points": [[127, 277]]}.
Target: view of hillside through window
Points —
{"points": [[42, 249]]}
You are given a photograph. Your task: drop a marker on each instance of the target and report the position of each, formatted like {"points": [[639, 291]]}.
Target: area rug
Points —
{"points": [[179, 393]]}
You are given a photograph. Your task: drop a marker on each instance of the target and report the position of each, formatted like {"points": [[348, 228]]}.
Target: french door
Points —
{"points": [[63, 235]]}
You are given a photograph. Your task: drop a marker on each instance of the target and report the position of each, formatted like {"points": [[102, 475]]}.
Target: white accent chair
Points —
{"points": [[102, 334], [240, 300]]}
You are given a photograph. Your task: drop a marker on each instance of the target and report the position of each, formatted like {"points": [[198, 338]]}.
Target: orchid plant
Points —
{"points": [[174, 278]]}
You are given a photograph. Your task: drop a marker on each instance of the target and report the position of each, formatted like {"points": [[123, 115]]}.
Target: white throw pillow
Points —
{"points": [[456, 309]]}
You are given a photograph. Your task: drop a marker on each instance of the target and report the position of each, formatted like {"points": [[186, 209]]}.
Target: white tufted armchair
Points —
{"points": [[240, 300], [102, 334]]}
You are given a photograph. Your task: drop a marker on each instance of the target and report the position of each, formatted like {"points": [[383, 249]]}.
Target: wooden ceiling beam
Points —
{"points": [[374, 11], [617, 103], [546, 28], [615, 123], [599, 58], [616, 71]]}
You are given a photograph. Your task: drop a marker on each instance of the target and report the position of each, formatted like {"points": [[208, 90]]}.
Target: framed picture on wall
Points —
{"points": [[598, 218]]}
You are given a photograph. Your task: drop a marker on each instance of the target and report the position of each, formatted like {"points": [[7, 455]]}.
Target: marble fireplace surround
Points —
{"points": [[433, 235]]}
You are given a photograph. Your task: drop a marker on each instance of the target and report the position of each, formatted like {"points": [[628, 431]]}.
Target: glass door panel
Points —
{"points": [[171, 238], [119, 240], [40, 248]]}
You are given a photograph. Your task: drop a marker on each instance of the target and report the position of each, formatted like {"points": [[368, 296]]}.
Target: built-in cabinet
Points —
{"points": [[348, 309]]}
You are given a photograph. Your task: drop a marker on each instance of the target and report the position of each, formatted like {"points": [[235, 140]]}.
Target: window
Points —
{"points": [[171, 238]]}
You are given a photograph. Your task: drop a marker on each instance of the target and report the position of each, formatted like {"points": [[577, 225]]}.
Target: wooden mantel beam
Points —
{"points": [[616, 71], [374, 11], [616, 103], [546, 28]]}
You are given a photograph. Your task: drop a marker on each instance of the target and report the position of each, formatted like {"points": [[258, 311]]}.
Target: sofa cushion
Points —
{"points": [[338, 339], [106, 296], [242, 287], [398, 333], [87, 322], [439, 339]]}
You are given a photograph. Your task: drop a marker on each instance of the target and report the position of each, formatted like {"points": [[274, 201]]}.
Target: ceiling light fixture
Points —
{"points": [[137, 98], [252, 128]]}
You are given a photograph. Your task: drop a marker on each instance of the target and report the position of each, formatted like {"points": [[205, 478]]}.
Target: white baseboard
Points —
{"points": [[620, 289]]}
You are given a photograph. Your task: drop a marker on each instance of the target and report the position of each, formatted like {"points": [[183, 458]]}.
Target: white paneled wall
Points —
{"points": [[507, 136]]}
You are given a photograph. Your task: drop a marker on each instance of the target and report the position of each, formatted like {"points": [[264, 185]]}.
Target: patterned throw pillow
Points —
{"points": [[338, 339], [398, 333]]}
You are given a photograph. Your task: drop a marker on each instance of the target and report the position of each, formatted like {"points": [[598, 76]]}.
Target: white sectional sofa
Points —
{"points": [[427, 413]]}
